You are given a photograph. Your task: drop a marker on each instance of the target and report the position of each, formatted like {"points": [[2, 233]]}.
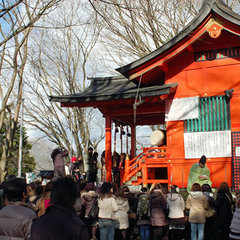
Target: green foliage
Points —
{"points": [[28, 164]]}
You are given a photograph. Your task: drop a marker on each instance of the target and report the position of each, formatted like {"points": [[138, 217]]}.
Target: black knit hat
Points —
{"points": [[55, 152], [203, 159], [106, 187]]}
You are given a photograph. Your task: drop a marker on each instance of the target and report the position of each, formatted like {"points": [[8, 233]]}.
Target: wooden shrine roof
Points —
{"points": [[103, 90]]}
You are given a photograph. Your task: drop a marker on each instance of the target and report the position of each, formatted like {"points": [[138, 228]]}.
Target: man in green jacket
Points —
{"points": [[199, 173]]}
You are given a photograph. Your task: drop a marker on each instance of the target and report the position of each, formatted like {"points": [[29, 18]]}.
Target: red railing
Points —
{"points": [[150, 157]]}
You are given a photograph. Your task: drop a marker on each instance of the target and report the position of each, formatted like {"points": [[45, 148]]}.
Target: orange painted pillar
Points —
{"points": [[108, 148], [133, 141], [126, 169], [145, 174]]}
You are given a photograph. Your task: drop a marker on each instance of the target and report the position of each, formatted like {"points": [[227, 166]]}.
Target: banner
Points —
{"points": [[182, 109]]}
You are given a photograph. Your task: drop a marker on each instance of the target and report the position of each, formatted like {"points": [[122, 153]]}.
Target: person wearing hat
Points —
{"points": [[74, 168], [57, 156], [199, 173], [72, 165]]}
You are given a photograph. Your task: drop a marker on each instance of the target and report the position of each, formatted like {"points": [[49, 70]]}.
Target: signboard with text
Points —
{"points": [[211, 144]]}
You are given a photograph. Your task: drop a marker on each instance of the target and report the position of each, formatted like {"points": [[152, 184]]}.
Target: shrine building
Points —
{"points": [[190, 85]]}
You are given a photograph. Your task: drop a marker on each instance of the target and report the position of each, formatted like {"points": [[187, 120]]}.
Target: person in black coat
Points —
{"points": [[210, 224], [132, 231], [224, 211], [92, 166], [60, 221]]}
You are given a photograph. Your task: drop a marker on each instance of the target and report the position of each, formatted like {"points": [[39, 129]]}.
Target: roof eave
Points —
{"points": [[165, 89]]}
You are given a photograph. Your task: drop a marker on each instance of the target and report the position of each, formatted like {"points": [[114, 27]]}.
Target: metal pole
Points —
{"points": [[21, 137]]}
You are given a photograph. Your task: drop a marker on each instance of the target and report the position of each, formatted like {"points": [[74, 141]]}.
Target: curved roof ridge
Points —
{"points": [[212, 2], [217, 6], [118, 77], [222, 9]]}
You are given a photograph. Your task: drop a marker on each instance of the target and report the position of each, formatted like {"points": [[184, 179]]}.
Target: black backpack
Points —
{"points": [[144, 206]]}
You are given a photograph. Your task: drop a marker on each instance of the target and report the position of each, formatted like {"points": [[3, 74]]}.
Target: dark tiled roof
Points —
{"points": [[111, 88], [216, 6]]}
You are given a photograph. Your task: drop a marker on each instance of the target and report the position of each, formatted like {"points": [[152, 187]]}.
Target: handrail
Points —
{"points": [[134, 165], [134, 159], [154, 148], [136, 170]]}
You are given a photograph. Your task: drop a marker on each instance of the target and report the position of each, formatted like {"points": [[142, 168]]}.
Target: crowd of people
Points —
{"points": [[94, 170], [79, 206], [76, 209]]}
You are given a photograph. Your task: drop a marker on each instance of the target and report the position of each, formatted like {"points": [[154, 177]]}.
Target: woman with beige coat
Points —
{"points": [[122, 214], [197, 203]]}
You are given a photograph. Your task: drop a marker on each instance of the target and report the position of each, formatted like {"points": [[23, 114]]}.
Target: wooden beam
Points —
{"points": [[146, 109], [151, 119], [164, 67], [190, 48]]}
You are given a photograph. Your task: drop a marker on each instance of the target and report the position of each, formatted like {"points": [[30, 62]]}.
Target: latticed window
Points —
{"points": [[214, 115]]}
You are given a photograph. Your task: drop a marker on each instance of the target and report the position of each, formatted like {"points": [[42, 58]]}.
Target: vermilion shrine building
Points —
{"points": [[192, 85]]}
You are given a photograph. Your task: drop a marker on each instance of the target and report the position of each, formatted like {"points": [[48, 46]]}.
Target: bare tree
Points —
{"points": [[19, 15], [17, 22], [134, 28], [59, 66], [7, 7]]}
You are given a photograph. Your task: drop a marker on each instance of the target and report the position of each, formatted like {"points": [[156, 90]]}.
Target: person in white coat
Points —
{"points": [[176, 220], [121, 216], [107, 207]]}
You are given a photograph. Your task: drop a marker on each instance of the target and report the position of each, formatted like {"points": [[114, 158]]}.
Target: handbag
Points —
{"points": [[132, 215], [210, 213], [93, 213]]}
